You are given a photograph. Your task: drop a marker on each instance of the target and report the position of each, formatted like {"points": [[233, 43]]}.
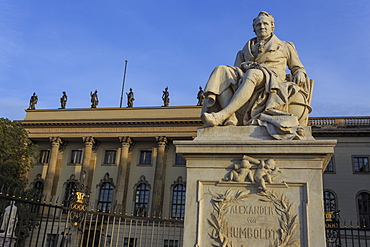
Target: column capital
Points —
{"points": [[125, 140], [161, 140], [88, 140], [56, 141]]}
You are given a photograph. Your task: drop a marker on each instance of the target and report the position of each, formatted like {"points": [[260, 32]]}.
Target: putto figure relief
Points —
{"points": [[242, 172], [254, 171], [256, 90], [266, 171]]}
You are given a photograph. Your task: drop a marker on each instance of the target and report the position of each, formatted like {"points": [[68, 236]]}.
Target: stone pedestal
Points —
{"points": [[248, 190]]}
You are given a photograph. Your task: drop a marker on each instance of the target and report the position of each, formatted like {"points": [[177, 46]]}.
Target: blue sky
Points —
{"points": [[80, 46]]}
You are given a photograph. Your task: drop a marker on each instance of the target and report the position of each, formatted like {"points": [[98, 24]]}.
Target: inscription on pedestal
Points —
{"points": [[241, 218]]}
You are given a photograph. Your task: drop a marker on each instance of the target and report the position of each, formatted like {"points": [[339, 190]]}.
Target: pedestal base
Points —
{"points": [[252, 191]]}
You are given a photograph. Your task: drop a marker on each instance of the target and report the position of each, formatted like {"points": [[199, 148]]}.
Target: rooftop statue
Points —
{"points": [[63, 100], [166, 97], [256, 91], [33, 101], [200, 97], [94, 99], [130, 98]]}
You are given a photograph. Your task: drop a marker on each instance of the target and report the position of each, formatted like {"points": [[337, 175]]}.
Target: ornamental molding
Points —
{"points": [[107, 124]]}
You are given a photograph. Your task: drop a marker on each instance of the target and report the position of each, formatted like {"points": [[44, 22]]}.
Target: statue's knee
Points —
{"points": [[255, 75], [221, 68]]}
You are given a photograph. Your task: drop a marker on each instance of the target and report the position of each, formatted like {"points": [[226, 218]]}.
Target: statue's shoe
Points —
{"points": [[231, 121], [212, 119]]}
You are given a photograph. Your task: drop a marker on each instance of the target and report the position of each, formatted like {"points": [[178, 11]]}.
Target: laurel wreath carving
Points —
{"points": [[287, 221], [222, 202]]}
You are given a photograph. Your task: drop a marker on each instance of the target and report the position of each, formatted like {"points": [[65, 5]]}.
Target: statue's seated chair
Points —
{"points": [[299, 104]]}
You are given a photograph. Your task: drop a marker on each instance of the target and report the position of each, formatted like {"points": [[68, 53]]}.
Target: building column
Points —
{"points": [[49, 180], [159, 177], [87, 170], [123, 173]]}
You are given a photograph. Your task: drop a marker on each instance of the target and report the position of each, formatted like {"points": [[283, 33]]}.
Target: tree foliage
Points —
{"points": [[17, 154]]}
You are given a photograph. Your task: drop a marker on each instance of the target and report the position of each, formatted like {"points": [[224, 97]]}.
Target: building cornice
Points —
{"points": [[177, 117]]}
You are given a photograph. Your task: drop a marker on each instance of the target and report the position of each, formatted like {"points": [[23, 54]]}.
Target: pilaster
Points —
{"points": [[159, 177], [123, 173], [87, 168], [50, 175]]}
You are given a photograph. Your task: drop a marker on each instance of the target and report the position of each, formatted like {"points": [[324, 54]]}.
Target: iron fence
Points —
{"points": [[345, 236], [29, 222], [348, 237]]}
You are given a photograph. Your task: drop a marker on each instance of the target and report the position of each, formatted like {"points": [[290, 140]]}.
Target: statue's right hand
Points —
{"points": [[245, 66]]}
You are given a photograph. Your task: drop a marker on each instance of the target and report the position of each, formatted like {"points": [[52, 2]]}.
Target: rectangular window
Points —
{"points": [[76, 157], [360, 164], [145, 157], [330, 166], [44, 156], [52, 240], [110, 157], [129, 242], [179, 160], [170, 243]]}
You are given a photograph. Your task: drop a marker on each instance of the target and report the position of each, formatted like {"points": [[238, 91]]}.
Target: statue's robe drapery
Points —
{"points": [[268, 105]]}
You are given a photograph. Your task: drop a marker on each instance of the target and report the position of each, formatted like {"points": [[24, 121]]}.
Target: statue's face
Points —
{"points": [[263, 27]]}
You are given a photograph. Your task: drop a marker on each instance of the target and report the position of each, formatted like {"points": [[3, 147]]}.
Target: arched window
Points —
{"points": [[330, 202], [105, 194], [178, 199], [70, 187], [142, 189], [363, 205], [38, 186]]}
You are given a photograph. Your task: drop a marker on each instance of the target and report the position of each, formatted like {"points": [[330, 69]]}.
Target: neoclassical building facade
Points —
{"points": [[126, 158]]}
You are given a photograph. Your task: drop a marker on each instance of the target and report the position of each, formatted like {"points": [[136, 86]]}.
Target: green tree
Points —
{"points": [[17, 154]]}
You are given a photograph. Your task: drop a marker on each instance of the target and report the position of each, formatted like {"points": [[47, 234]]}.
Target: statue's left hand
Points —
{"points": [[300, 78]]}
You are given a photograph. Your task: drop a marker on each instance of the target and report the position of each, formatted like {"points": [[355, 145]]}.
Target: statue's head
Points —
{"points": [[263, 25], [270, 164]]}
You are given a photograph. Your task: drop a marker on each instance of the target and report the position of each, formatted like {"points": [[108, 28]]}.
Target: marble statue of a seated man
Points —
{"points": [[255, 90]]}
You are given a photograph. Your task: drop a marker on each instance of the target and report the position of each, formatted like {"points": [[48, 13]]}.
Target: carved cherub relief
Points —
{"points": [[241, 172], [265, 171]]}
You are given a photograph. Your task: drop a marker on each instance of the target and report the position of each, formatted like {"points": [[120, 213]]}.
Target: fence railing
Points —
{"points": [[345, 236], [348, 237], [27, 222]]}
